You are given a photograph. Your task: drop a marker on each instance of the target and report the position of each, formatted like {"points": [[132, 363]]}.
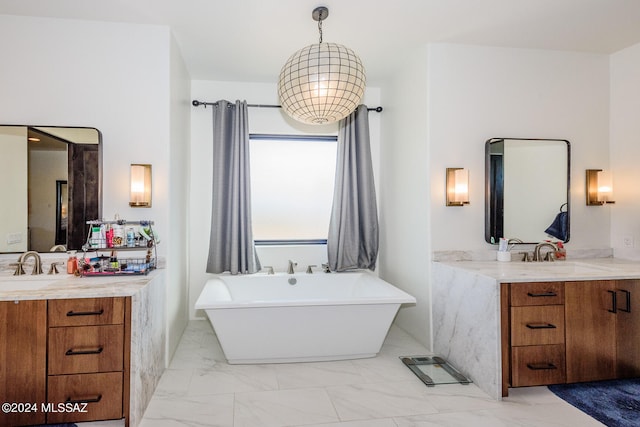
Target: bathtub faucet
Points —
{"points": [[290, 269]]}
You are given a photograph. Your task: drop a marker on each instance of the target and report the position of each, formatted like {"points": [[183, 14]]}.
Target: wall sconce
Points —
{"points": [[140, 196], [599, 187], [457, 187]]}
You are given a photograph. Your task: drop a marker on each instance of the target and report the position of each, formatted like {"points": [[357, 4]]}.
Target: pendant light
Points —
{"points": [[323, 82]]}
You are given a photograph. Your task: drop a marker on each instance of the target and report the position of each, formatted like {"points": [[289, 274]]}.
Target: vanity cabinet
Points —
{"points": [[86, 357], [70, 352], [23, 344], [557, 332], [603, 329], [628, 328], [536, 333]]}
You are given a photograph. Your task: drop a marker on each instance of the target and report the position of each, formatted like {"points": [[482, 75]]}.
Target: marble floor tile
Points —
{"points": [[283, 408], [305, 375], [383, 422], [459, 397], [380, 400], [197, 354], [202, 389], [174, 383], [190, 411], [225, 378], [531, 396], [383, 368], [399, 343]]}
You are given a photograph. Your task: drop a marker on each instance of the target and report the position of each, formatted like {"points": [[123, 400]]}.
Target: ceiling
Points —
{"points": [[249, 40]]}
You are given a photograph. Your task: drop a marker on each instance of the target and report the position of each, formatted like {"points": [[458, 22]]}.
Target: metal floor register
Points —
{"points": [[434, 370]]}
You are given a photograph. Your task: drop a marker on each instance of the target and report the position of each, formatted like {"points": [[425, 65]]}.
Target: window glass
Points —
{"points": [[292, 180]]}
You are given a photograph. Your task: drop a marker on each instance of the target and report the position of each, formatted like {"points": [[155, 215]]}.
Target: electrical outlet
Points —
{"points": [[627, 241]]}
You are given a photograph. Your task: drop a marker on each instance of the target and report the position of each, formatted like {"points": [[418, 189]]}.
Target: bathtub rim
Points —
{"points": [[215, 287]]}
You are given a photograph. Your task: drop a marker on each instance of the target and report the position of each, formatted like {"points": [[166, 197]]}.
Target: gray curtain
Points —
{"points": [[353, 230], [231, 246]]}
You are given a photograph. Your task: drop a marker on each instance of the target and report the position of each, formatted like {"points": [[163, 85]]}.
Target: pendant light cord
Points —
{"points": [[320, 19]]}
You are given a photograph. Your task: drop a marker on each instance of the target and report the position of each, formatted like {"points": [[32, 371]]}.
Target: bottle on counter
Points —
{"points": [[561, 253], [131, 238], [72, 263], [109, 234], [114, 264]]}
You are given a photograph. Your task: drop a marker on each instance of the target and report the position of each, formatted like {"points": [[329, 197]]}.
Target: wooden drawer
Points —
{"points": [[100, 393], [86, 311], [537, 325], [537, 365], [82, 349], [538, 293]]}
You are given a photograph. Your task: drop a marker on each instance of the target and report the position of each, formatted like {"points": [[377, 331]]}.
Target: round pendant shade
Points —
{"points": [[321, 83]]}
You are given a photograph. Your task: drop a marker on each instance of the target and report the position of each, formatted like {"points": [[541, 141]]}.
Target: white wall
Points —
{"points": [[179, 149], [476, 93], [625, 150], [405, 244], [440, 108], [115, 77], [261, 120]]}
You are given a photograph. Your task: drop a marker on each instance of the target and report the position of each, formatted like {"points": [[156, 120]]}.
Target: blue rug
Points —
{"points": [[614, 403]]}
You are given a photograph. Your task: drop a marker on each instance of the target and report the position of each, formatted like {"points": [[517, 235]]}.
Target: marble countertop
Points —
{"points": [[45, 286], [569, 270]]}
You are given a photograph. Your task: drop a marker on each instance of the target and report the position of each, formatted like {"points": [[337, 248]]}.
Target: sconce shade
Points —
{"points": [[323, 82], [457, 181], [140, 195], [599, 189]]}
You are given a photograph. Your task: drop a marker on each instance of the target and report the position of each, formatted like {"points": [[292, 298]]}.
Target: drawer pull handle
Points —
{"points": [[85, 313], [72, 352], [96, 399], [627, 306], [542, 294], [614, 302], [541, 366], [541, 326]]}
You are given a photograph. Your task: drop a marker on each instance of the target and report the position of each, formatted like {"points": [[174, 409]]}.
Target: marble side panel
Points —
{"points": [[148, 338], [466, 324]]}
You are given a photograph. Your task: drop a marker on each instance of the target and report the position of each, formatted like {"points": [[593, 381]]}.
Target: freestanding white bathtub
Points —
{"points": [[264, 319]]}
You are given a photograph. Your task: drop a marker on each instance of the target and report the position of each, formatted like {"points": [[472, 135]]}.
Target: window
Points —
{"points": [[292, 180]]}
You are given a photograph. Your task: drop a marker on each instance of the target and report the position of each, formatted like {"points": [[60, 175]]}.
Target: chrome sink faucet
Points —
{"points": [[37, 265], [290, 268], [537, 255]]}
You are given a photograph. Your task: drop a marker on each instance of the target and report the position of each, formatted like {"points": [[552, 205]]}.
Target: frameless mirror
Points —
{"points": [[53, 185], [527, 189]]}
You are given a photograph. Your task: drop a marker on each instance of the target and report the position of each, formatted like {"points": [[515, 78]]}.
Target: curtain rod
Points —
{"points": [[197, 103]]}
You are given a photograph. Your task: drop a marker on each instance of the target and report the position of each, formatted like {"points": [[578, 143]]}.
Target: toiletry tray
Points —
{"points": [[102, 252], [100, 238], [105, 266]]}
